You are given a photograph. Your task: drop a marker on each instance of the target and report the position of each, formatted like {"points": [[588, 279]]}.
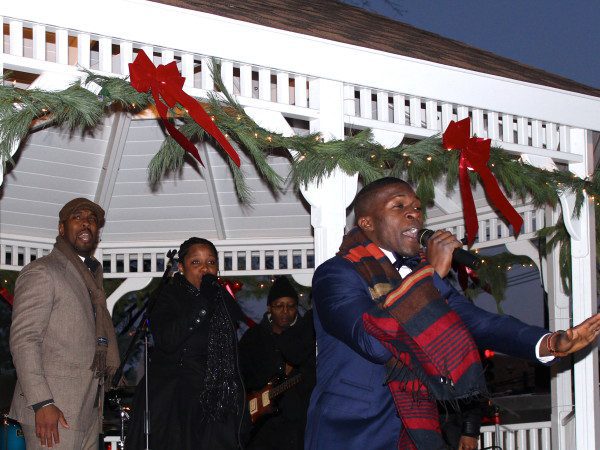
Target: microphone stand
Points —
{"points": [[143, 329]]}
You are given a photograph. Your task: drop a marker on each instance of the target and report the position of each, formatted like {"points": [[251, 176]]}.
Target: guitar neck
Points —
{"points": [[280, 389]]}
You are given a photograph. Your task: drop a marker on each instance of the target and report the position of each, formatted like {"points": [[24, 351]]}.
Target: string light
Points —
{"points": [[429, 158], [269, 138], [212, 118]]}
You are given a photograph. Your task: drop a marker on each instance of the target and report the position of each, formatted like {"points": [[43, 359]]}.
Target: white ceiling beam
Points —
{"points": [[213, 195], [445, 203], [112, 159]]}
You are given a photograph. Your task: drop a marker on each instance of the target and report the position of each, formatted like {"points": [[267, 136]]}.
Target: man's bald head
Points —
{"points": [[364, 200]]}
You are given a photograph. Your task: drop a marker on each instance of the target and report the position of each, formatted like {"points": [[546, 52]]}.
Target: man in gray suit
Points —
{"points": [[62, 339]]}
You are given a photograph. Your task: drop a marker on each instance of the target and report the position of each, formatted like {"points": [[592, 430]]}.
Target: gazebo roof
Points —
{"points": [[337, 21], [109, 164]]}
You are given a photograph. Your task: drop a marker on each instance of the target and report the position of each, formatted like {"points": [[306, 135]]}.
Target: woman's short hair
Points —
{"points": [[185, 247]]}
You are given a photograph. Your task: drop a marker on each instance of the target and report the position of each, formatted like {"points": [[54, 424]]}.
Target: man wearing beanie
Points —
{"points": [[282, 346], [62, 339]]}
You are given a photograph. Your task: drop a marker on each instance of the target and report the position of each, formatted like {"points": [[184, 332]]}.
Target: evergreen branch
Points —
{"points": [[239, 181], [492, 275]]}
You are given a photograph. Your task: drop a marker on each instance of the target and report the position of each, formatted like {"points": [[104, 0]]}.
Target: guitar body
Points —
{"points": [[261, 403]]}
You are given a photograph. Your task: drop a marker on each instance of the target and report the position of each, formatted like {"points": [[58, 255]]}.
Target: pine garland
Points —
{"points": [[423, 164], [492, 276]]}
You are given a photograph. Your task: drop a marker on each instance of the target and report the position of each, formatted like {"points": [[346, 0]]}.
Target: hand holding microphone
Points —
{"points": [[443, 248]]}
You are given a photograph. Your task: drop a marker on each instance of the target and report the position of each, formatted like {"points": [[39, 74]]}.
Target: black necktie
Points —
{"points": [[408, 261], [92, 264]]}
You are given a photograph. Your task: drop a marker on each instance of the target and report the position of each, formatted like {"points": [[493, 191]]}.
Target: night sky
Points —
{"points": [[562, 37]]}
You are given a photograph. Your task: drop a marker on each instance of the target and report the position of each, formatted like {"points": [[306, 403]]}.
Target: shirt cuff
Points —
{"points": [[40, 405], [542, 359]]}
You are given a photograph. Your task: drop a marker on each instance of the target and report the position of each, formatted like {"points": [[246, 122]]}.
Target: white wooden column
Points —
{"points": [[329, 198], [560, 319], [583, 257]]}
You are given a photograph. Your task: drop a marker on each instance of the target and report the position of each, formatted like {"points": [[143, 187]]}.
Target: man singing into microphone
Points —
{"points": [[393, 336]]}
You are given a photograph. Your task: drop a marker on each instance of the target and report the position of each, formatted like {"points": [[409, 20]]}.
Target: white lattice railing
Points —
{"points": [[523, 436], [126, 260], [45, 43], [423, 117]]}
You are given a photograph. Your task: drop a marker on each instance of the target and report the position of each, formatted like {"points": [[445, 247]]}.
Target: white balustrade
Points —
{"points": [[423, 117], [125, 260], [364, 106], [492, 230], [523, 436], [43, 42]]}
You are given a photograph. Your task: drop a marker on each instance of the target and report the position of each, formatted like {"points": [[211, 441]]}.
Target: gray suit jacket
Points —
{"points": [[52, 341]]}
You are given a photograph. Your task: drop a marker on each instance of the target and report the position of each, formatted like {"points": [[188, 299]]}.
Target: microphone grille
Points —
{"points": [[424, 235]]}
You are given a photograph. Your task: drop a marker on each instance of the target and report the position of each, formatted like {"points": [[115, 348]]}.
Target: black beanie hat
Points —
{"points": [[281, 288]]}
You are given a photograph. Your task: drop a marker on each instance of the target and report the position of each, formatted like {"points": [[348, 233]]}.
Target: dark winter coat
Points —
{"points": [[177, 368]]}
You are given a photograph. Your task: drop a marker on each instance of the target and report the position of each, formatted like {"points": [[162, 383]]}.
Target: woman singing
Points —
{"points": [[196, 393]]}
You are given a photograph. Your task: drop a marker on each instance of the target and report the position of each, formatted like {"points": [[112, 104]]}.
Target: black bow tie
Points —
{"points": [[91, 263], [408, 261]]}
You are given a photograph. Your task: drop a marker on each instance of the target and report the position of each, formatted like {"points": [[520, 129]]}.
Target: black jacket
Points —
{"points": [[263, 355], [178, 360]]}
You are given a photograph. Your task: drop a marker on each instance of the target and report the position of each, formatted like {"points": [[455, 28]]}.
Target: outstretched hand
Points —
{"points": [[573, 339]]}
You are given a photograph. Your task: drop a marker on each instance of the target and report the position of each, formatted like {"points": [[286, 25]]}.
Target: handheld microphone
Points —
{"points": [[210, 280], [459, 256]]}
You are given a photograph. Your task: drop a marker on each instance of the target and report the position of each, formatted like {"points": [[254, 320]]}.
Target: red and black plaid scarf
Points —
{"points": [[434, 356]]}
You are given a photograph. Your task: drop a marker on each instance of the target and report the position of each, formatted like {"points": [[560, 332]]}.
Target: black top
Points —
{"points": [[180, 324], [263, 355]]}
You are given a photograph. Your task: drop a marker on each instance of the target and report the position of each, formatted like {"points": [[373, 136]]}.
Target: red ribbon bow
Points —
{"points": [[166, 82], [6, 295], [475, 154]]}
